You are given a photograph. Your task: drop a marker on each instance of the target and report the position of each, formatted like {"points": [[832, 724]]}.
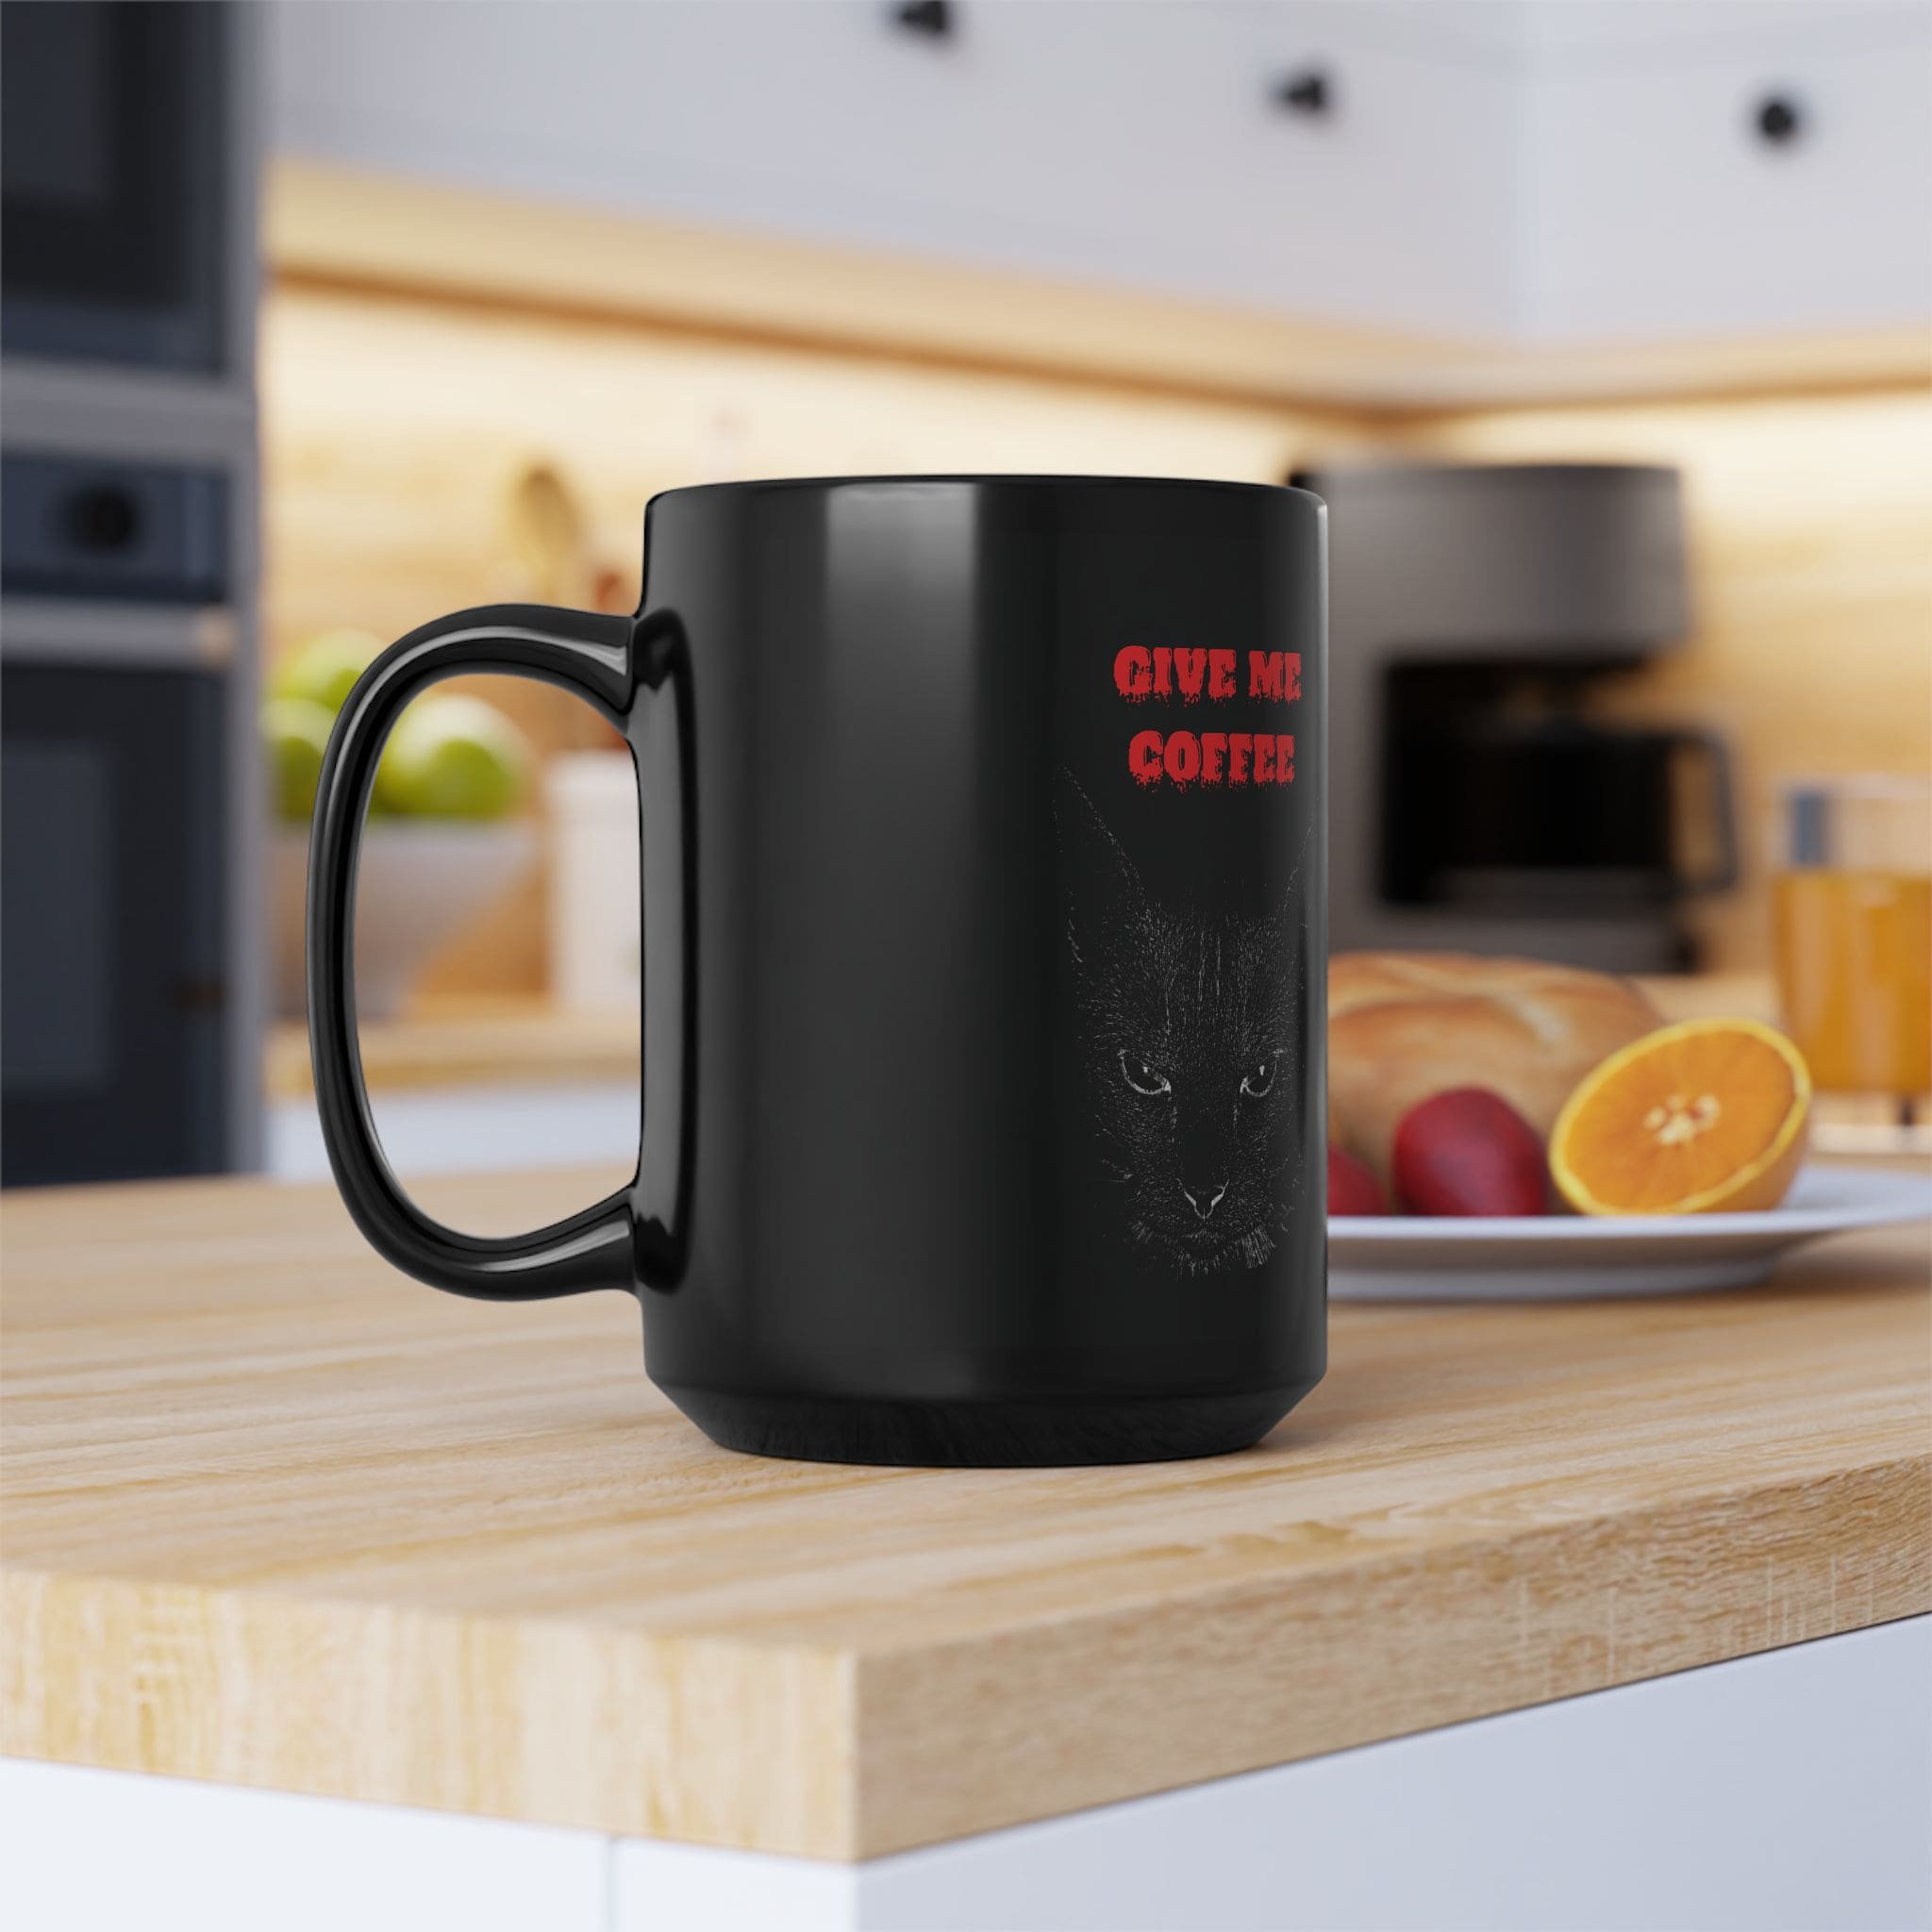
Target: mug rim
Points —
{"points": [[992, 479]]}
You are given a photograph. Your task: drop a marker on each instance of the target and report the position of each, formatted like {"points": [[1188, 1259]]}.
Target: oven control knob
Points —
{"points": [[103, 517]]}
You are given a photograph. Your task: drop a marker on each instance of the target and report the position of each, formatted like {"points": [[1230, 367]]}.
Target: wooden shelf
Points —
{"points": [[467, 1043], [381, 233]]}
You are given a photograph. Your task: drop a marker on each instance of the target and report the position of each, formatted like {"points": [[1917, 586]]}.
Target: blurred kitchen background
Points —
{"points": [[1605, 328]]}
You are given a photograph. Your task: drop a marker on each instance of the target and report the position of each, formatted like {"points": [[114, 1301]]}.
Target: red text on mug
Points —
{"points": [[1183, 759]]}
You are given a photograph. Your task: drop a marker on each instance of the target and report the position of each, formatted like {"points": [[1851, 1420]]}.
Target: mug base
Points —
{"points": [[1020, 1434]]}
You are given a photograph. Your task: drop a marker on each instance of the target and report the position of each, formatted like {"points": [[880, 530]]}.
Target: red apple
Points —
{"points": [[1352, 1188], [1469, 1152]]}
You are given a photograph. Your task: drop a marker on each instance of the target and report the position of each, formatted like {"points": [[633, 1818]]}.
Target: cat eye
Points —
{"points": [[1143, 1078], [1259, 1077]]}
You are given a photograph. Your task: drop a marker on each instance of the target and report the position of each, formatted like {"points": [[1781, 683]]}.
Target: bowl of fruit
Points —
{"points": [[443, 845]]}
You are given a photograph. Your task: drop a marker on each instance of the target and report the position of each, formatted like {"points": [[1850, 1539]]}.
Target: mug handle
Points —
{"points": [[600, 658]]}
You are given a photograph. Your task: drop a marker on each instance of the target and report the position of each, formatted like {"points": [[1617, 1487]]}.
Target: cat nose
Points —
{"points": [[1204, 1200]]}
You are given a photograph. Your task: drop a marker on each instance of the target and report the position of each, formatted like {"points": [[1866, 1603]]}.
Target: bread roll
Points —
{"points": [[1405, 1025]]}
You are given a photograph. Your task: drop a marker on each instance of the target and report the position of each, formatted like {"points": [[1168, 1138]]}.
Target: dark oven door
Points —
{"points": [[111, 1047], [110, 180]]}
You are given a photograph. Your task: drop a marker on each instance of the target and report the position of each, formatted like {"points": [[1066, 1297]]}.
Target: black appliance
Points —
{"points": [[113, 860], [1503, 797], [131, 994], [112, 151], [111, 974], [1484, 794]]}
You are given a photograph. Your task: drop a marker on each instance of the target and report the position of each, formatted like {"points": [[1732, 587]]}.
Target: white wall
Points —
{"points": [[1652, 206]]}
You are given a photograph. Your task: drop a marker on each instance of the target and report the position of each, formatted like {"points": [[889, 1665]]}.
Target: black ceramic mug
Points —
{"points": [[983, 979]]}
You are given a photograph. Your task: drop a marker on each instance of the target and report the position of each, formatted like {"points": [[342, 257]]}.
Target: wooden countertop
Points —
{"points": [[278, 1517]]}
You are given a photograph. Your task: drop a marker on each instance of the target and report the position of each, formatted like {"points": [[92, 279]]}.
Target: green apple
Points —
{"points": [[324, 669], [296, 731], [453, 757]]}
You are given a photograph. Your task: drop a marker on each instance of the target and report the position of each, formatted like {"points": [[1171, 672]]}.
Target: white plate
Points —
{"points": [[1572, 1257]]}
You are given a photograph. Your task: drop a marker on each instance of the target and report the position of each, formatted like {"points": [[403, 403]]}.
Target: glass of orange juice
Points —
{"points": [[1853, 905]]}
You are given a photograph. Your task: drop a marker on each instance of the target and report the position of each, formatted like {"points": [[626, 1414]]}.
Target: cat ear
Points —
{"points": [[1104, 894], [1285, 921]]}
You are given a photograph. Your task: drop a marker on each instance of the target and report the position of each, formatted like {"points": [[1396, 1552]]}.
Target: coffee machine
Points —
{"points": [[1478, 799]]}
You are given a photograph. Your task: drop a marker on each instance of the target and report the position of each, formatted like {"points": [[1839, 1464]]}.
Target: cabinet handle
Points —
{"points": [[1780, 120], [932, 18], [1307, 92], [199, 993]]}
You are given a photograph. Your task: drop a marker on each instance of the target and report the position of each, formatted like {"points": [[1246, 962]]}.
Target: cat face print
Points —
{"points": [[1186, 1042]]}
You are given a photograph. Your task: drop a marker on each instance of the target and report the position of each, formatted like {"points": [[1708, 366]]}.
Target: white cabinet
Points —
{"points": [[1656, 205], [1558, 172], [111, 1851], [1136, 144]]}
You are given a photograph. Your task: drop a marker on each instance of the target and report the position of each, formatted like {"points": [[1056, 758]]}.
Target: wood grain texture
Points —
{"points": [[278, 1517]]}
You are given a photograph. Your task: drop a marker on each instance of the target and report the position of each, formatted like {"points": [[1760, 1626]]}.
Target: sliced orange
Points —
{"points": [[1701, 1118]]}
